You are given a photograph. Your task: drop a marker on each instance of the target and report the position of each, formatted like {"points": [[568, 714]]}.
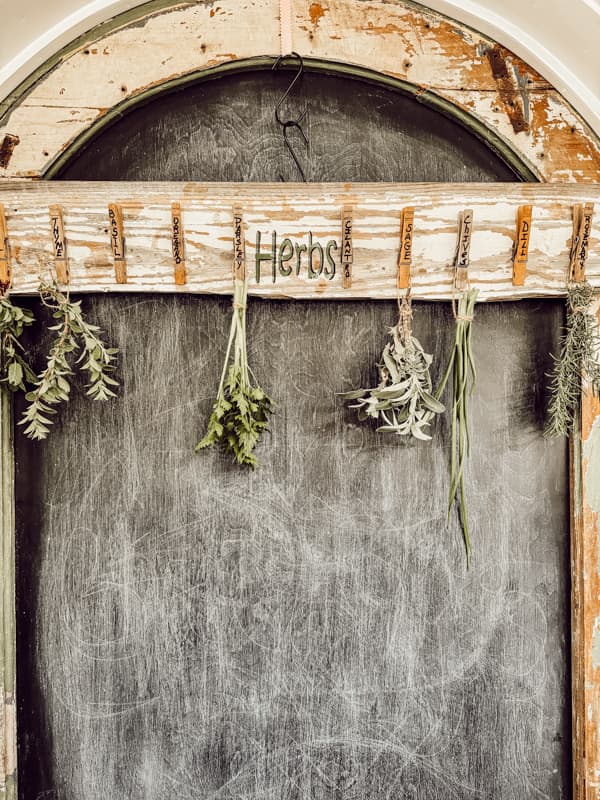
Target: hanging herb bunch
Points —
{"points": [[75, 339], [580, 342], [15, 372], [403, 402], [241, 410], [462, 367]]}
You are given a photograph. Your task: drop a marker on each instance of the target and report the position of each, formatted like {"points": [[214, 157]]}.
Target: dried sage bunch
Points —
{"points": [[579, 347], [15, 371], [462, 367], [240, 412], [403, 401], [73, 336]]}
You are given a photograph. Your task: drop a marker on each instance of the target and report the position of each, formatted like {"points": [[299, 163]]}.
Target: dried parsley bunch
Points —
{"points": [[403, 400], [462, 367], [578, 354], [52, 386], [240, 412], [15, 372]]}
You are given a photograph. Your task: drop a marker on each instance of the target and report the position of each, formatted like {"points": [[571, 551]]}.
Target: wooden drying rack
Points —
{"points": [[178, 237]]}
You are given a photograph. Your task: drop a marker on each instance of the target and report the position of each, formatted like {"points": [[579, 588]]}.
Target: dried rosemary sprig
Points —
{"points": [[403, 401], [15, 372], [52, 385], [579, 348], [462, 367], [240, 412]]}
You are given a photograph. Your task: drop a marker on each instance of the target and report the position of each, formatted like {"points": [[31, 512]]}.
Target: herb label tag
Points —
{"points": [[239, 245], [521, 251], [59, 244], [406, 239], [347, 256], [117, 241], [583, 242], [177, 244], [461, 266]]}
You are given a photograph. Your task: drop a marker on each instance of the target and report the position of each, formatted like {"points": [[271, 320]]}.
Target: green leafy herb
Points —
{"points": [[52, 386], [241, 411], [462, 367], [403, 401], [15, 372], [578, 355]]}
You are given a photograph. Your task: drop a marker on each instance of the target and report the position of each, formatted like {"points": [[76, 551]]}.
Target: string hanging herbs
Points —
{"points": [[241, 411], [15, 372], [403, 401], [52, 386]]}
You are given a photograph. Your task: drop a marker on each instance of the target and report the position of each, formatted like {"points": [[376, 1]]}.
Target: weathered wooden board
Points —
{"points": [[443, 62], [305, 214], [308, 630]]}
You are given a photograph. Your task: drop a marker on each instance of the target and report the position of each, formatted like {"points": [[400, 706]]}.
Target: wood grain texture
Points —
{"points": [[294, 211], [440, 60], [308, 630]]}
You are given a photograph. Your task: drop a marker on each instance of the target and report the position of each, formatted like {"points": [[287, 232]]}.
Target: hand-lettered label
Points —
{"points": [[59, 245], [406, 239], [461, 267], [521, 252], [117, 240], [177, 245], [347, 255], [239, 245], [583, 242], [4, 254]]}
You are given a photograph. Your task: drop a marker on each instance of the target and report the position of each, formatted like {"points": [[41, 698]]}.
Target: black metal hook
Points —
{"points": [[286, 127], [291, 123], [288, 91]]}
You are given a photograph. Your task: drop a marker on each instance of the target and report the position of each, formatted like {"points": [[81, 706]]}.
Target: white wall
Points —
{"points": [[560, 38]]}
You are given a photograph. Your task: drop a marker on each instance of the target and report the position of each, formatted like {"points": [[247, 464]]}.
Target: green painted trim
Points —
{"points": [[524, 170], [7, 593]]}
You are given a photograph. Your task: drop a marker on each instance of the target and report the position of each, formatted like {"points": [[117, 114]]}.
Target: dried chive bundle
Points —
{"points": [[462, 367], [579, 347], [240, 412], [403, 401]]}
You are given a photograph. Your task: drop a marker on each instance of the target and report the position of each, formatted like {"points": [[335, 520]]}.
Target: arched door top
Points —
{"points": [[443, 63]]}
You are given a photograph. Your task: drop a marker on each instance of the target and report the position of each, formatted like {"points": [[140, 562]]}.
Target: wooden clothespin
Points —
{"points": [[582, 229], [347, 255], [461, 264], [239, 245], [59, 244], [5, 276], [521, 250], [406, 237], [178, 245], [117, 241]]}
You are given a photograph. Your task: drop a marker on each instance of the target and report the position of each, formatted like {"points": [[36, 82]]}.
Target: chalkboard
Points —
{"points": [[190, 629]]}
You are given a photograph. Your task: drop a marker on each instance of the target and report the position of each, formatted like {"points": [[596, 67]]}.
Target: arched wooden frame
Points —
{"points": [[451, 67]]}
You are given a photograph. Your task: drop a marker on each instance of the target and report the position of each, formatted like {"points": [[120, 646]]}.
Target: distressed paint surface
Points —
{"points": [[431, 53], [294, 211], [587, 585]]}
